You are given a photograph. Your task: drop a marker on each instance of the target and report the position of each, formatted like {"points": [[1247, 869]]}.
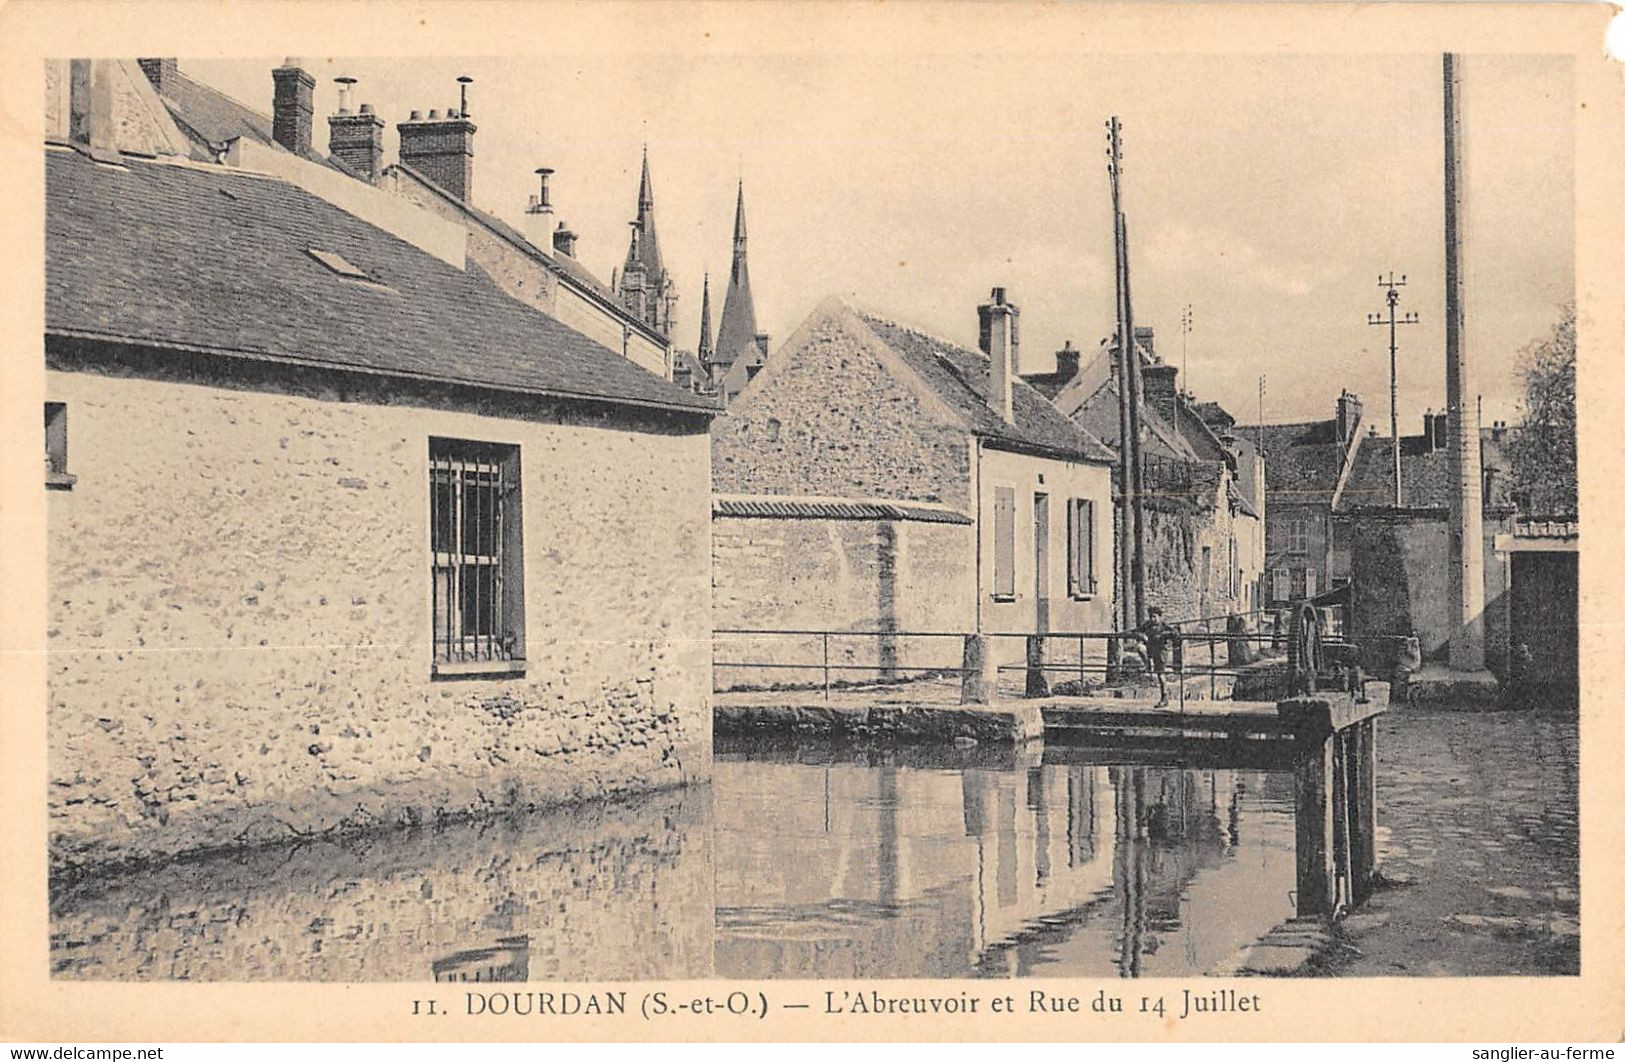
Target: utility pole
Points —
{"points": [[1131, 463], [1187, 321], [1393, 321]]}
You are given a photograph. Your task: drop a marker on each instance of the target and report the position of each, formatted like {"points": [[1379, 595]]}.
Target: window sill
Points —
{"points": [[1003, 599], [60, 481], [478, 668]]}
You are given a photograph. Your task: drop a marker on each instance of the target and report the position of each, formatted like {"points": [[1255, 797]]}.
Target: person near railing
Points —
{"points": [[1157, 635]]}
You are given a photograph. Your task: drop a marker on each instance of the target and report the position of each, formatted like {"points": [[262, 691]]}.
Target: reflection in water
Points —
{"points": [[792, 864], [880, 871]]}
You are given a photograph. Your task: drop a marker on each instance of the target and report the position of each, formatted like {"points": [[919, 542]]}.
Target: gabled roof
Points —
{"points": [[959, 377], [216, 260], [1099, 415], [1302, 461], [209, 115], [1424, 472], [212, 119]]}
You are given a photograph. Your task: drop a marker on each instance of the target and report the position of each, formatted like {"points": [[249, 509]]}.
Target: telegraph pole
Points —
{"points": [[1132, 466], [1187, 322], [1393, 321]]}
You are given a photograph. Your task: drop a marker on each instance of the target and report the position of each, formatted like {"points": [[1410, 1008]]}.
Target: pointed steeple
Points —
{"points": [[737, 335], [645, 287], [705, 350]]}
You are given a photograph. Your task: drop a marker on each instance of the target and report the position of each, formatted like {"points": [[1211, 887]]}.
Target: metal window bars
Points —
{"points": [[470, 488]]}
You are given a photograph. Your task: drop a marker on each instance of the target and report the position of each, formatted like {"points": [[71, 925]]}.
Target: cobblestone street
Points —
{"points": [[1478, 812]]}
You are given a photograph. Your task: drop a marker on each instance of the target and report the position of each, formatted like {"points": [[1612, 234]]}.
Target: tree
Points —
{"points": [[1544, 467]]}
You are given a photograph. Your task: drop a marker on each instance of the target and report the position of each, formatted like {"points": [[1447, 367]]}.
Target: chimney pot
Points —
{"points": [[357, 140], [441, 149]]}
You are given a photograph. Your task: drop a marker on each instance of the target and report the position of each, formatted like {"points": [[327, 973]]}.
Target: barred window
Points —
{"points": [[475, 532]]}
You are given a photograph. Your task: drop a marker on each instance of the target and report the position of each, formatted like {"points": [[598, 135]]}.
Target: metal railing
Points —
{"points": [[1108, 654]]}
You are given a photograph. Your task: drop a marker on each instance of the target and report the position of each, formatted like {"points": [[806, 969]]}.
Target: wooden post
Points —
{"points": [[976, 678], [1037, 686], [1312, 786], [1342, 865], [1363, 789]]}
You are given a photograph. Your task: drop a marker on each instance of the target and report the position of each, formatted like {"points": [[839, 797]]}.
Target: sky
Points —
{"points": [[1265, 192]]}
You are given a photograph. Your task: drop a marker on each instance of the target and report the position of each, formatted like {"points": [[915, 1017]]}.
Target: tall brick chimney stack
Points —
{"points": [[1161, 388], [1000, 338], [292, 107], [1349, 411], [356, 139], [442, 149]]}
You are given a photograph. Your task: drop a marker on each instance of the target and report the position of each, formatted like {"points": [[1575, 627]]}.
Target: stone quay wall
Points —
{"points": [[239, 614]]}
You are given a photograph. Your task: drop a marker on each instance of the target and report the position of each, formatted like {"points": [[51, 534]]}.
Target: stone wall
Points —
{"points": [[825, 417], [840, 575], [1401, 575], [239, 612]]}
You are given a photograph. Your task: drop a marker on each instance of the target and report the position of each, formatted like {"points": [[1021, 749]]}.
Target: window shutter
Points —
{"points": [[1004, 542], [1086, 545]]}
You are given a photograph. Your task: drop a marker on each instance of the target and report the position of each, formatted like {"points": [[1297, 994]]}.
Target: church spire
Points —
{"points": [[737, 335], [645, 287], [705, 349]]}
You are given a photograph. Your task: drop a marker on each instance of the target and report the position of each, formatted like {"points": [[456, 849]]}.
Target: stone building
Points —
{"points": [[1397, 557], [877, 479], [1204, 528], [340, 534]]}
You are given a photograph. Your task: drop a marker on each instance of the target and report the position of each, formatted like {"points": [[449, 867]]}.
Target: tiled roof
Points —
{"points": [[1302, 461], [210, 115], [212, 259], [1099, 415], [1425, 473], [959, 377], [831, 509]]}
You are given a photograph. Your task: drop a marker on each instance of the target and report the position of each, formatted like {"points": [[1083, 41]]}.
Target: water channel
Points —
{"points": [[797, 861]]}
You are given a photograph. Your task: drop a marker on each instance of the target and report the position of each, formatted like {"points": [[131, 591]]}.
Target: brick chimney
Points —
{"points": [[292, 107], [999, 336], [1349, 410], [540, 224], [1145, 337], [356, 139], [1067, 361], [161, 72], [1159, 380], [442, 149], [564, 240]]}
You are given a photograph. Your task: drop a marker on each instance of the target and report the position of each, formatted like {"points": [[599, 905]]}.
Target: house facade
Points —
{"points": [[1204, 528], [877, 479], [340, 534], [1308, 465]]}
